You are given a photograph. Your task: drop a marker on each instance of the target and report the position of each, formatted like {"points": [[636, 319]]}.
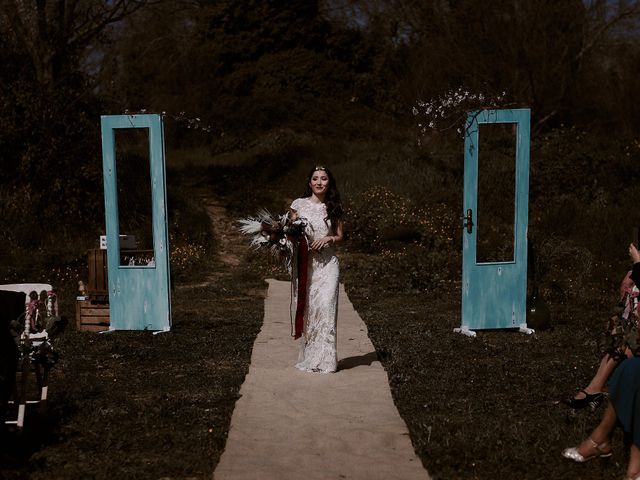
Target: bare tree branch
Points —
{"points": [[596, 37], [55, 30]]}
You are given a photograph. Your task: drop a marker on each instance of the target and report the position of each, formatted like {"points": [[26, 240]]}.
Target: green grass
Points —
{"points": [[474, 408], [137, 405]]}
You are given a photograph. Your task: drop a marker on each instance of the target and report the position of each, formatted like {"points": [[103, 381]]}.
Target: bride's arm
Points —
{"points": [[323, 242], [339, 232]]}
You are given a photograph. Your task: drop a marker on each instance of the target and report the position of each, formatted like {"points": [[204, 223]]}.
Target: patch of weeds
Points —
{"points": [[137, 405], [484, 407], [379, 216]]}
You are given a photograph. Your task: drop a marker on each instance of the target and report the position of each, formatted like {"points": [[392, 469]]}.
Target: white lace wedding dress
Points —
{"points": [[318, 341]]}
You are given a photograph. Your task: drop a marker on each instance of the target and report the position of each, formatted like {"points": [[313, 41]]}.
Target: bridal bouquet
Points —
{"points": [[276, 234]]}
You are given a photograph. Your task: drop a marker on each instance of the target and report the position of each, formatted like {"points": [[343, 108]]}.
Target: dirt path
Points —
{"points": [[289, 424], [349, 417], [231, 244]]}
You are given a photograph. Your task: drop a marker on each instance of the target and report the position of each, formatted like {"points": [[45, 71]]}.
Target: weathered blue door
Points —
{"points": [[494, 286], [139, 291]]}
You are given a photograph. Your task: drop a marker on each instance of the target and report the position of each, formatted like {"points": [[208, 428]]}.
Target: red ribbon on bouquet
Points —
{"points": [[303, 270]]}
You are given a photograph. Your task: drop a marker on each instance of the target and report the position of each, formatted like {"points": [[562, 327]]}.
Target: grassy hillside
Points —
{"points": [[473, 407]]}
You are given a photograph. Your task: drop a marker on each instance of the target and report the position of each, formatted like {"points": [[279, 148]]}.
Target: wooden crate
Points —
{"points": [[98, 280], [92, 315]]}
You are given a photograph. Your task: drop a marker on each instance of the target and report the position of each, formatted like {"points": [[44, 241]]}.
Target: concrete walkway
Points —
{"points": [[291, 425]]}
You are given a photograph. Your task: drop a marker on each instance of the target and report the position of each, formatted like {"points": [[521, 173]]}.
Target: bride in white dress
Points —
{"points": [[321, 206]]}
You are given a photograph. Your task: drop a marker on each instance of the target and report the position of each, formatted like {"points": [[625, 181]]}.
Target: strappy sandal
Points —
{"points": [[602, 451], [591, 400]]}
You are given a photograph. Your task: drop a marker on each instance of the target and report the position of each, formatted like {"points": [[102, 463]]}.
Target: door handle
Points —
{"points": [[468, 220]]}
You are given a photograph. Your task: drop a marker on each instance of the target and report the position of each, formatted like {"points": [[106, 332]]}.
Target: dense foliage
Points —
{"points": [[252, 65], [249, 66]]}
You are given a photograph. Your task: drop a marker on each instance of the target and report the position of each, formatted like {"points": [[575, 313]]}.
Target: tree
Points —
{"points": [[542, 52], [243, 64], [49, 115], [54, 33]]}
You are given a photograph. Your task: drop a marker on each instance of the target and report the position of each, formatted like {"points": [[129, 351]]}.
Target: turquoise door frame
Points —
{"points": [[139, 296], [494, 294]]}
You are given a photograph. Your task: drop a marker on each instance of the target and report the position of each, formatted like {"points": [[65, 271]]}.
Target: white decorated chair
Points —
{"points": [[33, 341]]}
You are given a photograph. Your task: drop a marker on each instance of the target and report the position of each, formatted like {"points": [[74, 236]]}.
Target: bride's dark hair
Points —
{"points": [[331, 198]]}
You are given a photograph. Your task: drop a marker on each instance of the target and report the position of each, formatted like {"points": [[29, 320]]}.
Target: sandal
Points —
{"points": [[602, 450], [591, 400]]}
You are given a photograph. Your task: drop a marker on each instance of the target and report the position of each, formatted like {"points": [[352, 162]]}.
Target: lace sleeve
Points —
{"points": [[295, 205]]}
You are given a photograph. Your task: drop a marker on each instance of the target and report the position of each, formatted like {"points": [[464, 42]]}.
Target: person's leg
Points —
{"points": [[597, 444], [601, 434], [633, 469], [598, 382]]}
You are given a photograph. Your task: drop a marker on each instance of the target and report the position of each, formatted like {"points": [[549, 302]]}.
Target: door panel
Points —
{"points": [[496, 197], [139, 293]]}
